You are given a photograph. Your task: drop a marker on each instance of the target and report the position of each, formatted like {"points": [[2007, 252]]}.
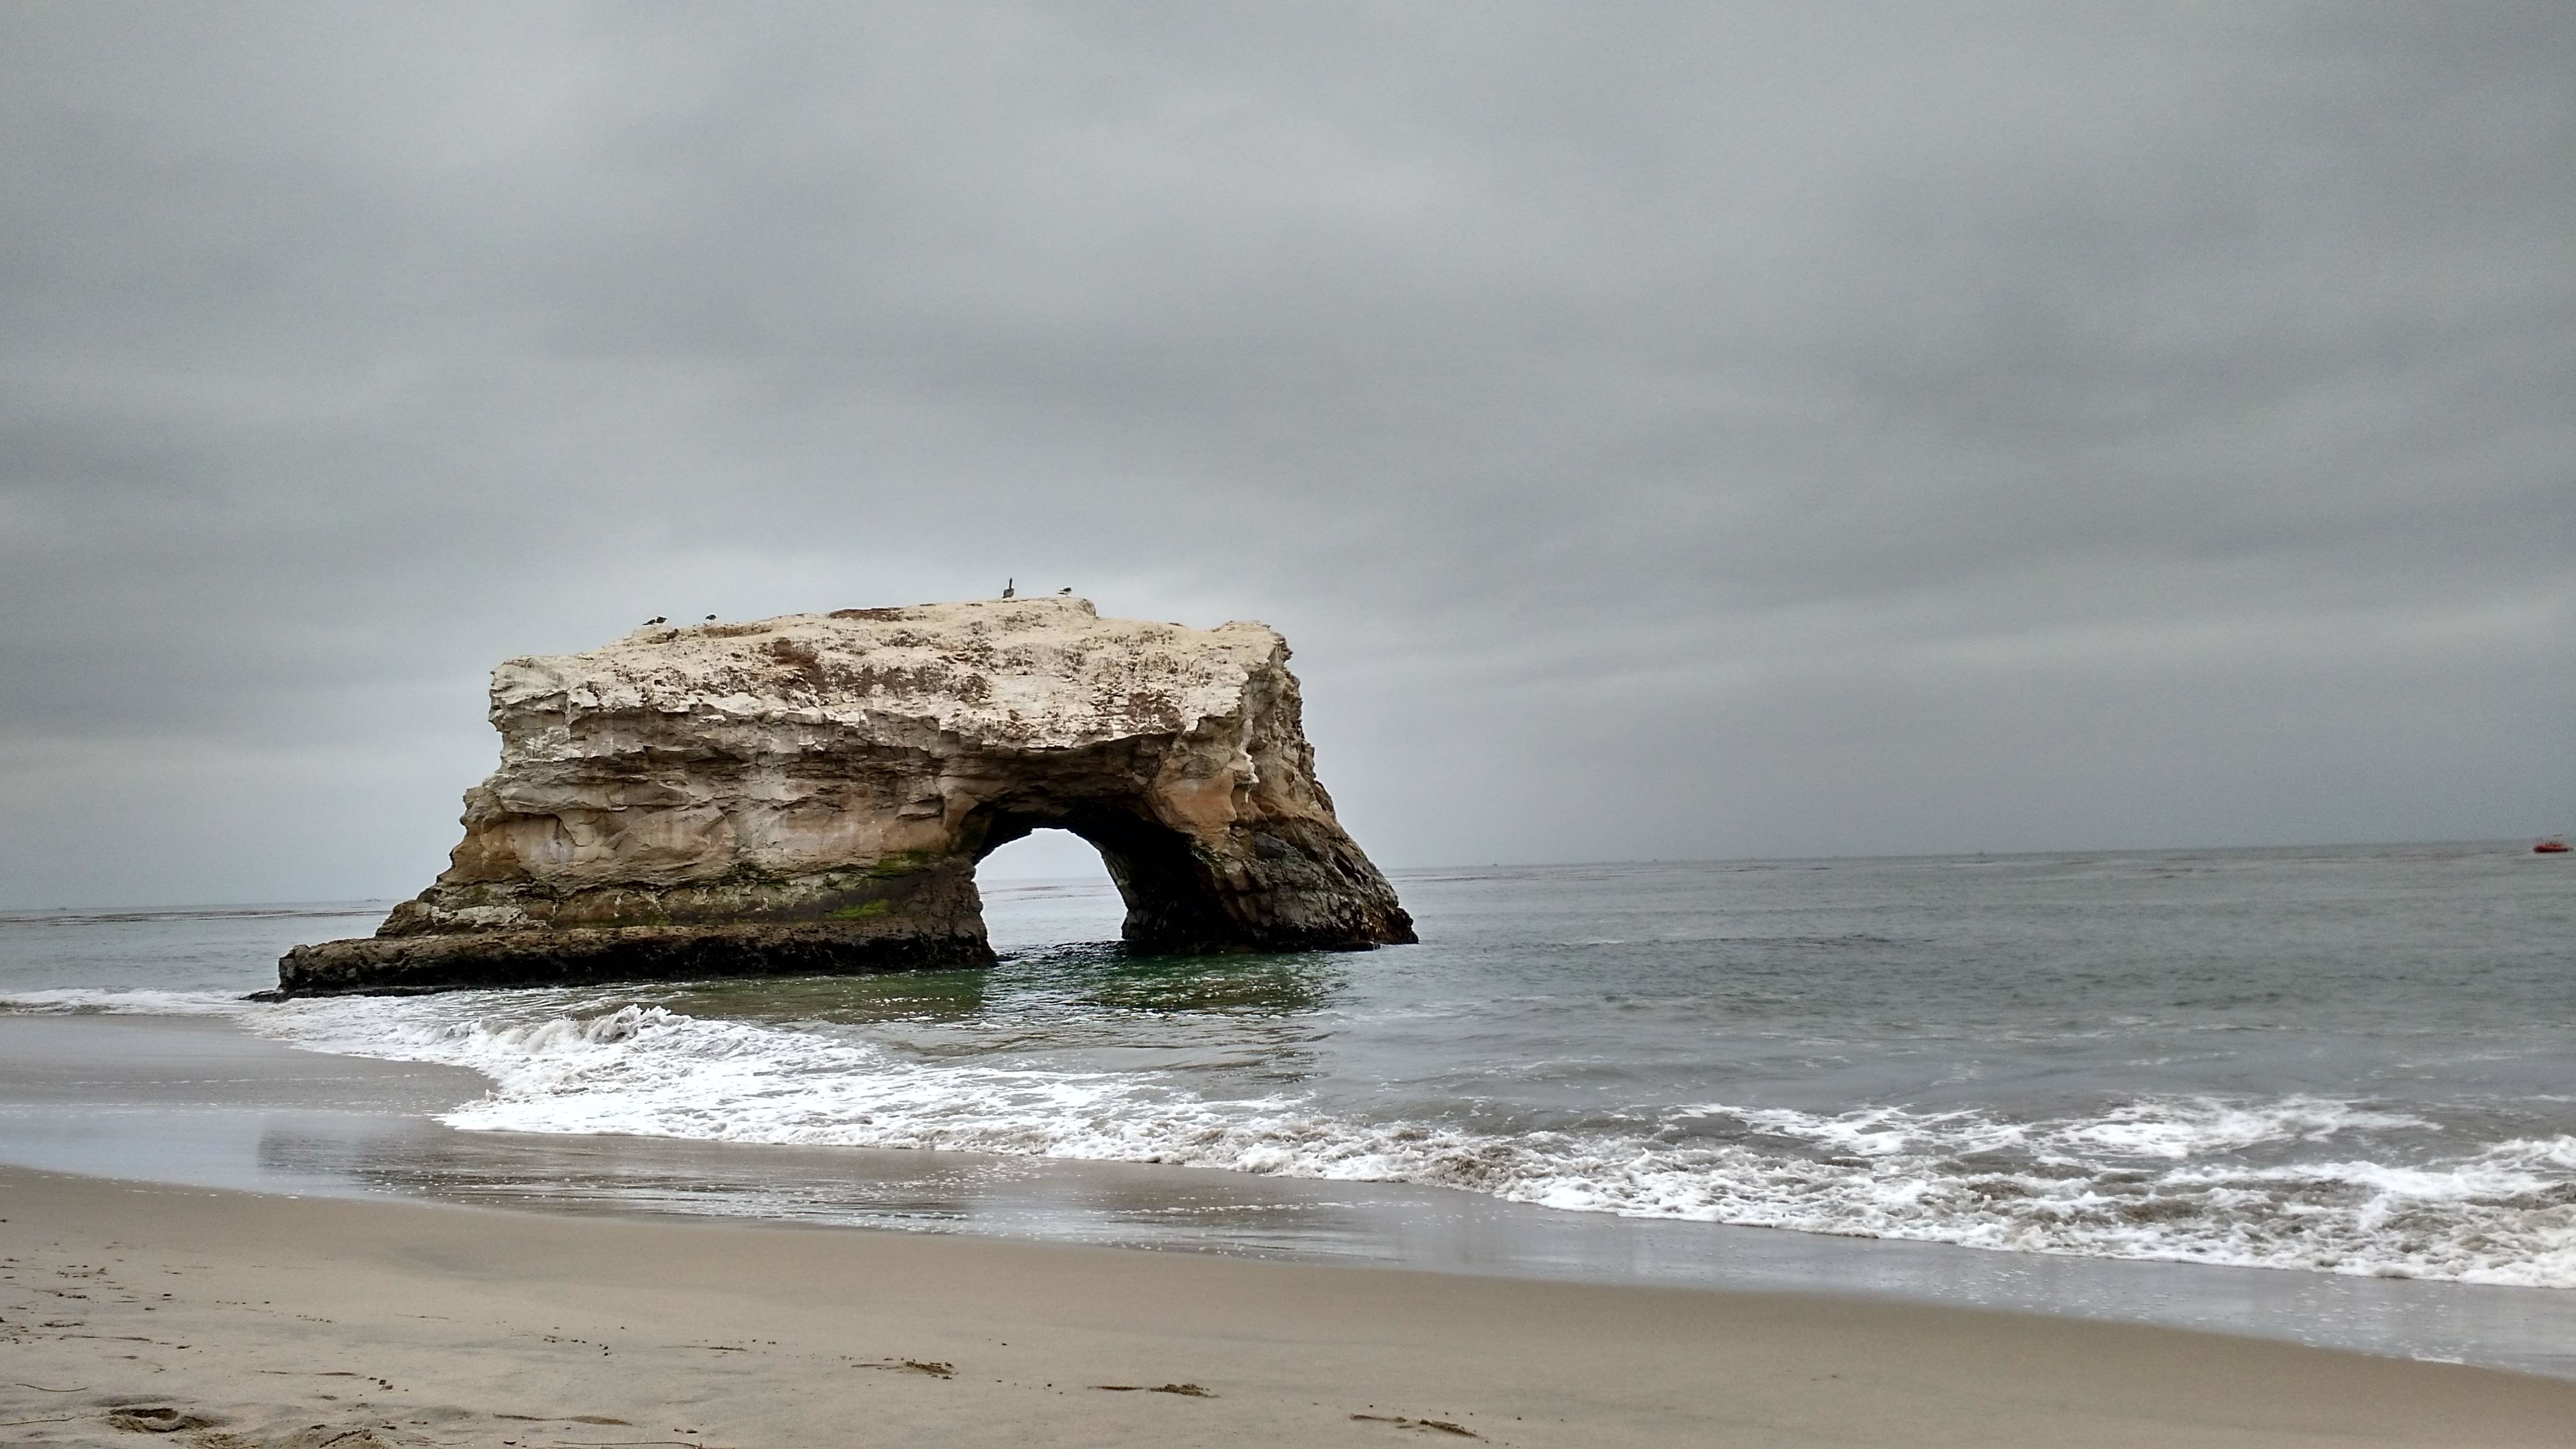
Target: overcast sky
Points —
{"points": [[1663, 431]]}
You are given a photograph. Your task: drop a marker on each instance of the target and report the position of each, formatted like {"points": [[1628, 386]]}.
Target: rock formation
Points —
{"points": [[811, 794]]}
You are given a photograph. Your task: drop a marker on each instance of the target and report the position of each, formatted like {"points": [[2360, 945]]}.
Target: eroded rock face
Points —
{"points": [[811, 793]]}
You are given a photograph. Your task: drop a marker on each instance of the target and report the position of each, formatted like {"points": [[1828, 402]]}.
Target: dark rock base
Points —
{"points": [[408, 965]]}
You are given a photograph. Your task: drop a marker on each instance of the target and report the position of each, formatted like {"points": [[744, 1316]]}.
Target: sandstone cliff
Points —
{"points": [[811, 793]]}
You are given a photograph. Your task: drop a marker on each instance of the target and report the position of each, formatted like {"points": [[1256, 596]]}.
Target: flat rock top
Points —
{"points": [[1039, 673]]}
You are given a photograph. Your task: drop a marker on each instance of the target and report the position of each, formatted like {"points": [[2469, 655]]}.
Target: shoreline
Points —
{"points": [[197, 1102], [289, 1320]]}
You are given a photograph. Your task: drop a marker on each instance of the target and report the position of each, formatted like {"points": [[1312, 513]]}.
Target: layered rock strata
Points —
{"points": [[811, 793]]}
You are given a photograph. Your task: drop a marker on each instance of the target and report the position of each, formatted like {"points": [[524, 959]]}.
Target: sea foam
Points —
{"points": [[2190, 1179], [105, 1001]]}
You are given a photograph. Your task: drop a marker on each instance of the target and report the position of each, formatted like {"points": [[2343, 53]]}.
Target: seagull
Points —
{"points": [[1007, 590], [1066, 590], [711, 618], [656, 619]]}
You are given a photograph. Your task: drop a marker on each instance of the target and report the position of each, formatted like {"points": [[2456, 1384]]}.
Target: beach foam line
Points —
{"points": [[100, 1001], [2166, 1179]]}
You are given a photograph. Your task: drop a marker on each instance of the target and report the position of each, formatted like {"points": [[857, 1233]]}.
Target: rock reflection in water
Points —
{"points": [[926, 996], [1106, 1204], [1109, 976]]}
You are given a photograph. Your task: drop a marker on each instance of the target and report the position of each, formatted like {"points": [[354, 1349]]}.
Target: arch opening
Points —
{"points": [[1047, 889], [1174, 895]]}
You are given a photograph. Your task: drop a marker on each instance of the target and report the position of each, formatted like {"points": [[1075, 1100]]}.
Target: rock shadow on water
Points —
{"points": [[1113, 976], [913, 996], [1098, 975]]}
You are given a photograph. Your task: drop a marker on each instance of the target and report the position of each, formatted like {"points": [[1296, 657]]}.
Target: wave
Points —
{"points": [[100, 1001], [2199, 1179]]}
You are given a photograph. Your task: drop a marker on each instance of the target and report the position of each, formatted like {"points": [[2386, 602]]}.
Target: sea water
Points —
{"points": [[2348, 1061]]}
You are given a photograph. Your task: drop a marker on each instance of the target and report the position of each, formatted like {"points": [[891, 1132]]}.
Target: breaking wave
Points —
{"points": [[2290, 1182], [103, 1001]]}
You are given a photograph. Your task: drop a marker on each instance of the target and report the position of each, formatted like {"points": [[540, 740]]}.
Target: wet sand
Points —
{"points": [[235, 1319]]}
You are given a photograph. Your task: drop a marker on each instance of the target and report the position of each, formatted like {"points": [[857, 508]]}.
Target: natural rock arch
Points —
{"points": [[1294, 893], [812, 794]]}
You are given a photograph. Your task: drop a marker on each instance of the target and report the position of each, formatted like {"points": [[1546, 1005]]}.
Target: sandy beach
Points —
{"points": [[230, 1319]]}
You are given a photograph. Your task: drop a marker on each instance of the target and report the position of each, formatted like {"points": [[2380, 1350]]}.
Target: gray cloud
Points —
{"points": [[1664, 430]]}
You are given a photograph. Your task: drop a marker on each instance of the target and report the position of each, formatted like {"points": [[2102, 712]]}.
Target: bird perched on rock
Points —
{"points": [[656, 619], [1066, 590], [1008, 589], [711, 618]]}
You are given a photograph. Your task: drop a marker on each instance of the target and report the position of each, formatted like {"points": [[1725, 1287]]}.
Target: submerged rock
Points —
{"points": [[811, 794]]}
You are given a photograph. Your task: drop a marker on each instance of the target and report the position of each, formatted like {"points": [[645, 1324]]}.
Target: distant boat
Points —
{"points": [[2554, 845]]}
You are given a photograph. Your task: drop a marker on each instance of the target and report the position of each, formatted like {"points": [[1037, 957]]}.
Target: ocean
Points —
{"points": [[2298, 1066]]}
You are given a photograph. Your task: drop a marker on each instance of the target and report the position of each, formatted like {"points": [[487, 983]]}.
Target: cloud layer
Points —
{"points": [[1681, 430]]}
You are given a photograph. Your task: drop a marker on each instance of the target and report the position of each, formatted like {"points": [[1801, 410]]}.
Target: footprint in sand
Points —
{"points": [[156, 1419]]}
